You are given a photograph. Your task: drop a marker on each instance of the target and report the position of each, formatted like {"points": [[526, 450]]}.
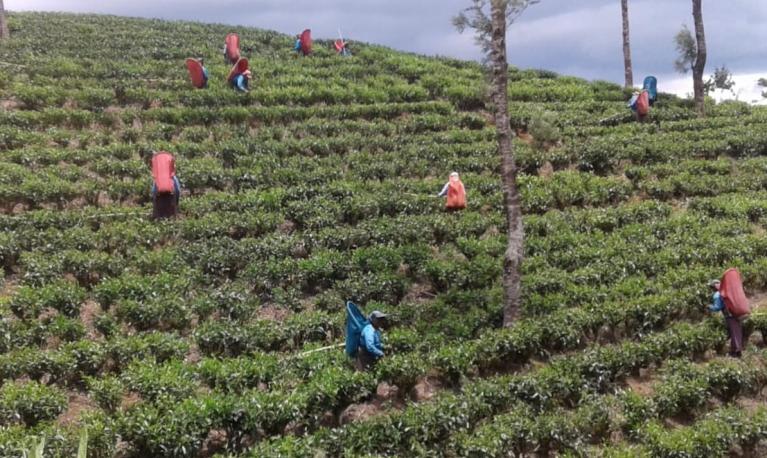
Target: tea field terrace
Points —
{"points": [[188, 337]]}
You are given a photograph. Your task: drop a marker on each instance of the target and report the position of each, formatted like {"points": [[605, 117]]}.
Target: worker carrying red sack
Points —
{"points": [[166, 188], [455, 192], [730, 299]]}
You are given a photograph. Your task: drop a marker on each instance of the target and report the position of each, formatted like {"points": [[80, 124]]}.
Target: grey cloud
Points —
{"points": [[578, 37]]}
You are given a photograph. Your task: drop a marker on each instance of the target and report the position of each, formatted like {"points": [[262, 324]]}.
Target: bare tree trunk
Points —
{"points": [[627, 45], [700, 61], [4, 33], [512, 261]]}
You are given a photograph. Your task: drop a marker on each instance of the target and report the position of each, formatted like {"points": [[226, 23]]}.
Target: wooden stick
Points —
{"points": [[316, 350]]}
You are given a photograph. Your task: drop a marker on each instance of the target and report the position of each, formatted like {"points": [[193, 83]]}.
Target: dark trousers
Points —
{"points": [[165, 206], [365, 360], [735, 331]]}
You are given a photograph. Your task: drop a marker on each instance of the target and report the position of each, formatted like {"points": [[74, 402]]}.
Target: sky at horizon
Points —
{"points": [[572, 37]]}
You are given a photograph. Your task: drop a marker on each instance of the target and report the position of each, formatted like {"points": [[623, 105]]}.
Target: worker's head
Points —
{"points": [[202, 61], [714, 285], [377, 319], [454, 176]]}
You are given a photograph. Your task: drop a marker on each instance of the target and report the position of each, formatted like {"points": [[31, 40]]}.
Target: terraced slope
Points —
{"points": [[188, 337]]}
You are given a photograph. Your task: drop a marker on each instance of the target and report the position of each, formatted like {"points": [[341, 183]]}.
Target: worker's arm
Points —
{"points": [[369, 339], [718, 304], [443, 193]]}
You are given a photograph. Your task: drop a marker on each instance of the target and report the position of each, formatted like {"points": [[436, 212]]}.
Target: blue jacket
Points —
{"points": [[371, 341], [297, 47], [718, 304]]}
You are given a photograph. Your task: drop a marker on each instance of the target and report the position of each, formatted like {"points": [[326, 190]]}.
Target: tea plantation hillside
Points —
{"points": [[188, 338]]}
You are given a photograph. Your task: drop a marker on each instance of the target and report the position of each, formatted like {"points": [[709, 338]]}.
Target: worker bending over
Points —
{"points": [[166, 189]]}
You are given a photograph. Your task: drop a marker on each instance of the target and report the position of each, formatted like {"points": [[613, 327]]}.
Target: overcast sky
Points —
{"points": [[575, 37]]}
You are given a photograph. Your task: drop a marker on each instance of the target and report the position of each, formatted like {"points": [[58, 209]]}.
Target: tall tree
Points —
{"points": [[692, 54], [4, 33], [700, 59], [627, 45], [490, 29]]}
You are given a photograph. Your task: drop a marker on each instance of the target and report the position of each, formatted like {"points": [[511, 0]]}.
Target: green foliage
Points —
{"points": [[687, 49], [30, 403], [195, 336]]}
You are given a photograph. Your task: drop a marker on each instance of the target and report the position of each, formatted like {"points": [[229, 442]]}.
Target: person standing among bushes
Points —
{"points": [[166, 188], [734, 325], [370, 347], [455, 192]]}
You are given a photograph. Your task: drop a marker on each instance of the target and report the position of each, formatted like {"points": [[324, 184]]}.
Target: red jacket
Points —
{"points": [[163, 171]]}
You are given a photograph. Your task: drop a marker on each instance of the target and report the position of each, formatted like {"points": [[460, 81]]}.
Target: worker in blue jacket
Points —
{"points": [[371, 348]]}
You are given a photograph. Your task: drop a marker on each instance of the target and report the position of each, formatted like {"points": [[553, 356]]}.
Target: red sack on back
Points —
{"points": [[232, 47], [456, 195], [643, 103], [731, 290], [306, 42], [163, 171]]}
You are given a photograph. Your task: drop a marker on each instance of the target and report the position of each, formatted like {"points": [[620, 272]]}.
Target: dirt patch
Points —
{"points": [[193, 356], [678, 422], [546, 170], [426, 389], [10, 104], [271, 312], [129, 400], [287, 227], [525, 137], [419, 293], [386, 392], [103, 199], [750, 405], [214, 443], [358, 412], [77, 203], [78, 403], [9, 287], [758, 299], [48, 314], [19, 209], [641, 385], [89, 311]]}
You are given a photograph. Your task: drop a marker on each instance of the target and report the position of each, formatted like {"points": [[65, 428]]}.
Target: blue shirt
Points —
{"points": [[718, 304], [371, 340], [298, 46], [240, 82]]}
